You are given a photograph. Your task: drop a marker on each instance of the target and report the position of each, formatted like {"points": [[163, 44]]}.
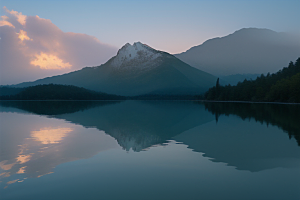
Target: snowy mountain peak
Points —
{"points": [[136, 55]]}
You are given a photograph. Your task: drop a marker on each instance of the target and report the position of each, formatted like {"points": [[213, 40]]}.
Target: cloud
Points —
{"points": [[34, 48], [23, 35], [4, 22], [21, 18], [48, 61]]}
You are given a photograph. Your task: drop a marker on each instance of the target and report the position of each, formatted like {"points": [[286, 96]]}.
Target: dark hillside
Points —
{"points": [[59, 92]]}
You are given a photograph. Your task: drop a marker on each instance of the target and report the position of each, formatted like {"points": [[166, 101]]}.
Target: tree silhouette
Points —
{"points": [[282, 86]]}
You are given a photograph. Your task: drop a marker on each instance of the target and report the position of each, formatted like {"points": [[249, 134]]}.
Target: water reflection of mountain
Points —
{"points": [[284, 116], [31, 146], [142, 124], [134, 124], [138, 125]]}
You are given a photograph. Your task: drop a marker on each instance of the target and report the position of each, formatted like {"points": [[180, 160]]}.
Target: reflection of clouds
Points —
{"points": [[41, 143], [50, 135], [34, 146], [5, 174], [44, 136], [11, 182], [45, 174], [23, 158], [37, 145], [6, 166], [21, 170]]}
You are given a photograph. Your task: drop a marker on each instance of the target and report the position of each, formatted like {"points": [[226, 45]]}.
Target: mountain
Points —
{"points": [[136, 70], [246, 51]]}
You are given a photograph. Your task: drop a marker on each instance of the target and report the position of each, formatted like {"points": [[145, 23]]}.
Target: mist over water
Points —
{"points": [[148, 150]]}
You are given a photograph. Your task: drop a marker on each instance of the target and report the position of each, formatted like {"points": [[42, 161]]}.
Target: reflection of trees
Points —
{"points": [[282, 115], [54, 107]]}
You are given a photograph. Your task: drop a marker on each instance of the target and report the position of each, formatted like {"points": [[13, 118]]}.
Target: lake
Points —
{"points": [[149, 150]]}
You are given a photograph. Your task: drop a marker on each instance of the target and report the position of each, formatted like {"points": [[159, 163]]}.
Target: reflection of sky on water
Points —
{"points": [[162, 149], [50, 135], [31, 145]]}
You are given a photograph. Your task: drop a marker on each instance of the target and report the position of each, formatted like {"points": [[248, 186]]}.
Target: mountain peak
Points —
{"points": [[136, 55], [128, 48]]}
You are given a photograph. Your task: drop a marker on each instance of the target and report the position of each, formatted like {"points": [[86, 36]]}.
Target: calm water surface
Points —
{"points": [[149, 150]]}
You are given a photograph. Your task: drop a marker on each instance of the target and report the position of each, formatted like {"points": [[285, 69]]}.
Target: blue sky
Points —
{"points": [[172, 26]]}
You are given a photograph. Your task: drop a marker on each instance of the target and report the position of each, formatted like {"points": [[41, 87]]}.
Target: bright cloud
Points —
{"points": [[23, 35], [34, 48], [48, 61]]}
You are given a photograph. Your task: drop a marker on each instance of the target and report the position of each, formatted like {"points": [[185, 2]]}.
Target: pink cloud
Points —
{"points": [[4, 22], [34, 48], [23, 35], [48, 61], [20, 18]]}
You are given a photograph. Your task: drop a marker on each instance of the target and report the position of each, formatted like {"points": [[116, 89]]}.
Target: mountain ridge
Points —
{"points": [[136, 70], [246, 51]]}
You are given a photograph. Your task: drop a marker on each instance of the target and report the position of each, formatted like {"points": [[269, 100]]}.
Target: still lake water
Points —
{"points": [[149, 150]]}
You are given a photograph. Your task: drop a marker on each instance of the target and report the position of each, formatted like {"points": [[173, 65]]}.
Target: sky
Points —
{"points": [[59, 36]]}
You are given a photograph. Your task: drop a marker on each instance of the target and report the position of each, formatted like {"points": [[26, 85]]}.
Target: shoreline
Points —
{"points": [[249, 102]]}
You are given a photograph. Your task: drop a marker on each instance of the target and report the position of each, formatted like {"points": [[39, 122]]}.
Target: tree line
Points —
{"points": [[59, 92], [283, 86]]}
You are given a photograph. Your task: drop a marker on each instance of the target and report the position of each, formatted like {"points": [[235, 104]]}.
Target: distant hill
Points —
{"points": [[235, 78], [283, 86], [246, 51], [59, 92], [137, 70], [6, 90]]}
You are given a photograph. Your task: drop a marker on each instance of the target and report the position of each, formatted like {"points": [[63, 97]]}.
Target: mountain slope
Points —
{"points": [[246, 51], [137, 69]]}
